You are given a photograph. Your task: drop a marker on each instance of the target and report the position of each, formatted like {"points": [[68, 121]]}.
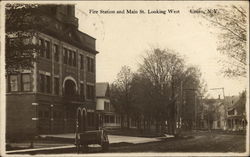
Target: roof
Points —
{"points": [[102, 89], [231, 101]]}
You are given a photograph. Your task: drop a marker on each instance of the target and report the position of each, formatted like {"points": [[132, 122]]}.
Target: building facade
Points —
{"points": [[44, 99], [236, 112], [109, 118]]}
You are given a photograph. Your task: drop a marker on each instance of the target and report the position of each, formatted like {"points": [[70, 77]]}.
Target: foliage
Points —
{"points": [[121, 92], [21, 21], [241, 103], [232, 22], [155, 90]]}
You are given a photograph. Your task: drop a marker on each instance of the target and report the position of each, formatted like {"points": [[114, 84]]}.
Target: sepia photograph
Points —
{"points": [[124, 78]]}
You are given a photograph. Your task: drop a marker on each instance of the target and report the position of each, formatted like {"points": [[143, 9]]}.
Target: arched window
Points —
{"points": [[70, 88]]}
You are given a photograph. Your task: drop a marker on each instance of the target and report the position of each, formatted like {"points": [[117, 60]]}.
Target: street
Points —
{"points": [[201, 141], [196, 142]]}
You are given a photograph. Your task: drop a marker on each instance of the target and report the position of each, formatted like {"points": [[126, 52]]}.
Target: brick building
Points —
{"points": [[44, 99]]}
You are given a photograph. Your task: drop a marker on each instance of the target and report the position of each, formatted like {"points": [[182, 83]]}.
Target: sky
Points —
{"points": [[122, 39]]}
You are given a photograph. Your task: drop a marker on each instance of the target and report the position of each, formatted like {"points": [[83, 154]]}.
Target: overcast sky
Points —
{"points": [[122, 39]]}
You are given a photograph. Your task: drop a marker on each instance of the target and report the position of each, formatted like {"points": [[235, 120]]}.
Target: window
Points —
{"points": [[90, 63], [56, 53], [112, 119], [106, 106], [106, 119], [218, 124], [90, 92], [42, 83], [117, 119], [13, 83], [47, 49], [48, 84], [41, 44], [231, 112], [109, 119], [81, 61], [74, 58], [26, 83], [70, 57], [45, 83], [56, 86], [81, 90], [65, 56]]}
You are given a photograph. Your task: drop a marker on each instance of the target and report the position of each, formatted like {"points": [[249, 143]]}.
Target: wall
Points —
{"points": [[19, 114], [100, 103]]}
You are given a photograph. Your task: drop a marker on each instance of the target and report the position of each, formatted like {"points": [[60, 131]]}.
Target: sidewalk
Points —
{"points": [[66, 141], [112, 138]]}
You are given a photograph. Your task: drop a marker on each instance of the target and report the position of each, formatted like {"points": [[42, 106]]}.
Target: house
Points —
{"points": [[236, 112], [219, 121], [45, 98], [214, 114], [109, 118], [225, 114]]}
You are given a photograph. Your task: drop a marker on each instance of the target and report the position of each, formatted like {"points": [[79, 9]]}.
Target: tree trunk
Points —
{"points": [[157, 126], [163, 128], [144, 124], [128, 122], [122, 121]]}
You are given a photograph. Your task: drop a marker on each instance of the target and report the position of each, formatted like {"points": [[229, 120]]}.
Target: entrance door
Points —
{"points": [[81, 120]]}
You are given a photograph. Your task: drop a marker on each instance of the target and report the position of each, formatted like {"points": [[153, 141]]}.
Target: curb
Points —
{"points": [[39, 149]]}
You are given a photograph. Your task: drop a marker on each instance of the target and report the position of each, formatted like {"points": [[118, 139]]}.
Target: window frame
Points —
{"points": [[82, 90], [90, 64], [56, 52], [42, 47], [70, 57], [9, 83], [42, 83], [56, 86], [48, 84], [74, 58], [65, 56], [90, 92], [81, 61], [47, 49], [23, 83]]}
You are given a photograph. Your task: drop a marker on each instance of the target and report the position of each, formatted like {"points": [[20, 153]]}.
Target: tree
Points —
{"points": [[167, 74], [21, 22], [193, 88], [241, 103], [164, 68], [121, 93], [232, 22], [143, 92]]}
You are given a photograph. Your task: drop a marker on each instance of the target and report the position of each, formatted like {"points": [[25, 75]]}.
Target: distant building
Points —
{"points": [[44, 99], [214, 114], [225, 114], [236, 113], [219, 121], [110, 119]]}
